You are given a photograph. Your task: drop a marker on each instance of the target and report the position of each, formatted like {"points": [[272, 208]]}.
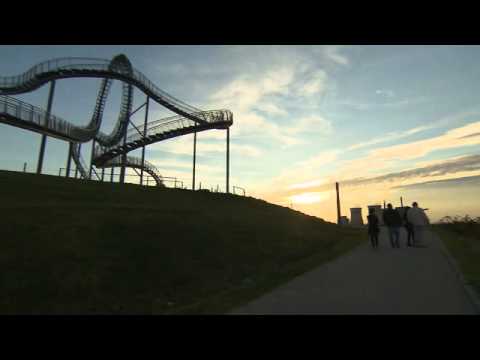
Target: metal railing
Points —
{"points": [[240, 188], [72, 67], [19, 113], [134, 162], [12, 109], [136, 138]]}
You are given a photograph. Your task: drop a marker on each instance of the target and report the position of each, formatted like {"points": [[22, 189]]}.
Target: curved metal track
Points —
{"points": [[136, 163], [157, 131], [24, 115], [27, 116], [119, 68]]}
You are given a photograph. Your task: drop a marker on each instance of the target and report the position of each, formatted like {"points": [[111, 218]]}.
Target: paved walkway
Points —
{"points": [[368, 281]]}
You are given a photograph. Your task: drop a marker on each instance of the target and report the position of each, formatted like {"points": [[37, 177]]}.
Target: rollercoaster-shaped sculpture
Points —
{"points": [[111, 148]]}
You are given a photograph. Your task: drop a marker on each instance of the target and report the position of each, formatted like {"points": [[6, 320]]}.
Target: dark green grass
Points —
{"points": [[76, 247], [463, 241]]}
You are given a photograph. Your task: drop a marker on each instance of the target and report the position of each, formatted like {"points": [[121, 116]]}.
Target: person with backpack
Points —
{"points": [[408, 228], [419, 220], [393, 220], [373, 228]]}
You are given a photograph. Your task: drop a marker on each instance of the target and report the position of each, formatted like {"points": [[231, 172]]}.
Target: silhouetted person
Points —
{"points": [[419, 220], [408, 227], [393, 220], [373, 228]]}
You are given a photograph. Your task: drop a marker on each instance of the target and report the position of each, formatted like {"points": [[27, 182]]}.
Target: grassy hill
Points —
{"points": [[85, 247]]}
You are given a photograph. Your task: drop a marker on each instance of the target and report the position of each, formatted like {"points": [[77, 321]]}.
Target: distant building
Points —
{"points": [[343, 220], [356, 218], [378, 211]]}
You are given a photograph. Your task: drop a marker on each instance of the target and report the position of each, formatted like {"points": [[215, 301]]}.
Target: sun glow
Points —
{"points": [[309, 197], [307, 184]]}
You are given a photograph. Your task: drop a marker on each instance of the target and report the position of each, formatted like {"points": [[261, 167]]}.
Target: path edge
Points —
{"points": [[232, 311], [472, 294]]}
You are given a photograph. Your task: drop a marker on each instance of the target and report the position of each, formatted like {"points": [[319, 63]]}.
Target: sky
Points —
{"points": [[384, 121]]}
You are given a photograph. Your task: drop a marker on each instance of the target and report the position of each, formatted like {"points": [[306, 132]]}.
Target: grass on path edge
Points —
{"points": [[229, 300], [466, 250]]}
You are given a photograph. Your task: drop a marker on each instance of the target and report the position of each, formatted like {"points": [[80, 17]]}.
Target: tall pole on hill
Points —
{"points": [[91, 160], [228, 161], [79, 152], [194, 158], [144, 136], [124, 158], [47, 119], [338, 203], [69, 159]]}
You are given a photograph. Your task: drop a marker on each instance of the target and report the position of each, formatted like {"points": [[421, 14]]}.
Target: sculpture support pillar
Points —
{"points": [[144, 135], [47, 118], [228, 161], [194, 158]]}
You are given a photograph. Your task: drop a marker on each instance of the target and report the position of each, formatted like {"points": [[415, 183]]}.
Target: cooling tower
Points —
{"points": [[356, 217]]}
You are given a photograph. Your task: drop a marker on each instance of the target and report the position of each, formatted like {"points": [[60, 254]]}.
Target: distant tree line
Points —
{"points": [[463, 225]]}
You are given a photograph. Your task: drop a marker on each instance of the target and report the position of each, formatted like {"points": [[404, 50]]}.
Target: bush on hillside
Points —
{"points": [[463, 225]]}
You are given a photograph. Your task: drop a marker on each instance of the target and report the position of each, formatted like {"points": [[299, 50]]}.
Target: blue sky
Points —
{"points": [[304, 117]]}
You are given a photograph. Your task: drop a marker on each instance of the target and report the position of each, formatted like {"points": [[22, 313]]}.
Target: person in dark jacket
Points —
{"points": [[408, 227], [373, 228], [393, 220]]}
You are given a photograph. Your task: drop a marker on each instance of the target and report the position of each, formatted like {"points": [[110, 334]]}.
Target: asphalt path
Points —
{"points": [[385, 280]]}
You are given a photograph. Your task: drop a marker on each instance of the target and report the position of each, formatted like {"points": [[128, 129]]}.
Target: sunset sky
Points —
{"points": [[383, 121]]}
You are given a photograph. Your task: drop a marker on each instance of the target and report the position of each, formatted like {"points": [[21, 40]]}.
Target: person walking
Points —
{"points": [[373, 228], [408, 227], [393, 220], [419, 220]]}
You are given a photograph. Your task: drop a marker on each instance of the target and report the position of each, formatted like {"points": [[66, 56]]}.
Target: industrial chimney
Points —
{"points": [[338, 204]]}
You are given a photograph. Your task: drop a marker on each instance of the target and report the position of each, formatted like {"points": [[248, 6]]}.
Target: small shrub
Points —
{"points": [[462, 225]]}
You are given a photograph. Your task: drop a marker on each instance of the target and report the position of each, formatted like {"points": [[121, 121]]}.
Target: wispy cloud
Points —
{"points": [[386, 93], [315, 84], [184, 146], [333, 53], [244, 92], [311, 124], [301, 175], [470, 135], [304, 175], [253, 98], [458, 181], [449, 169], [392, 137], [451, 139], [306, 185], [457, 165], [271, 108], [361, 105]]}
